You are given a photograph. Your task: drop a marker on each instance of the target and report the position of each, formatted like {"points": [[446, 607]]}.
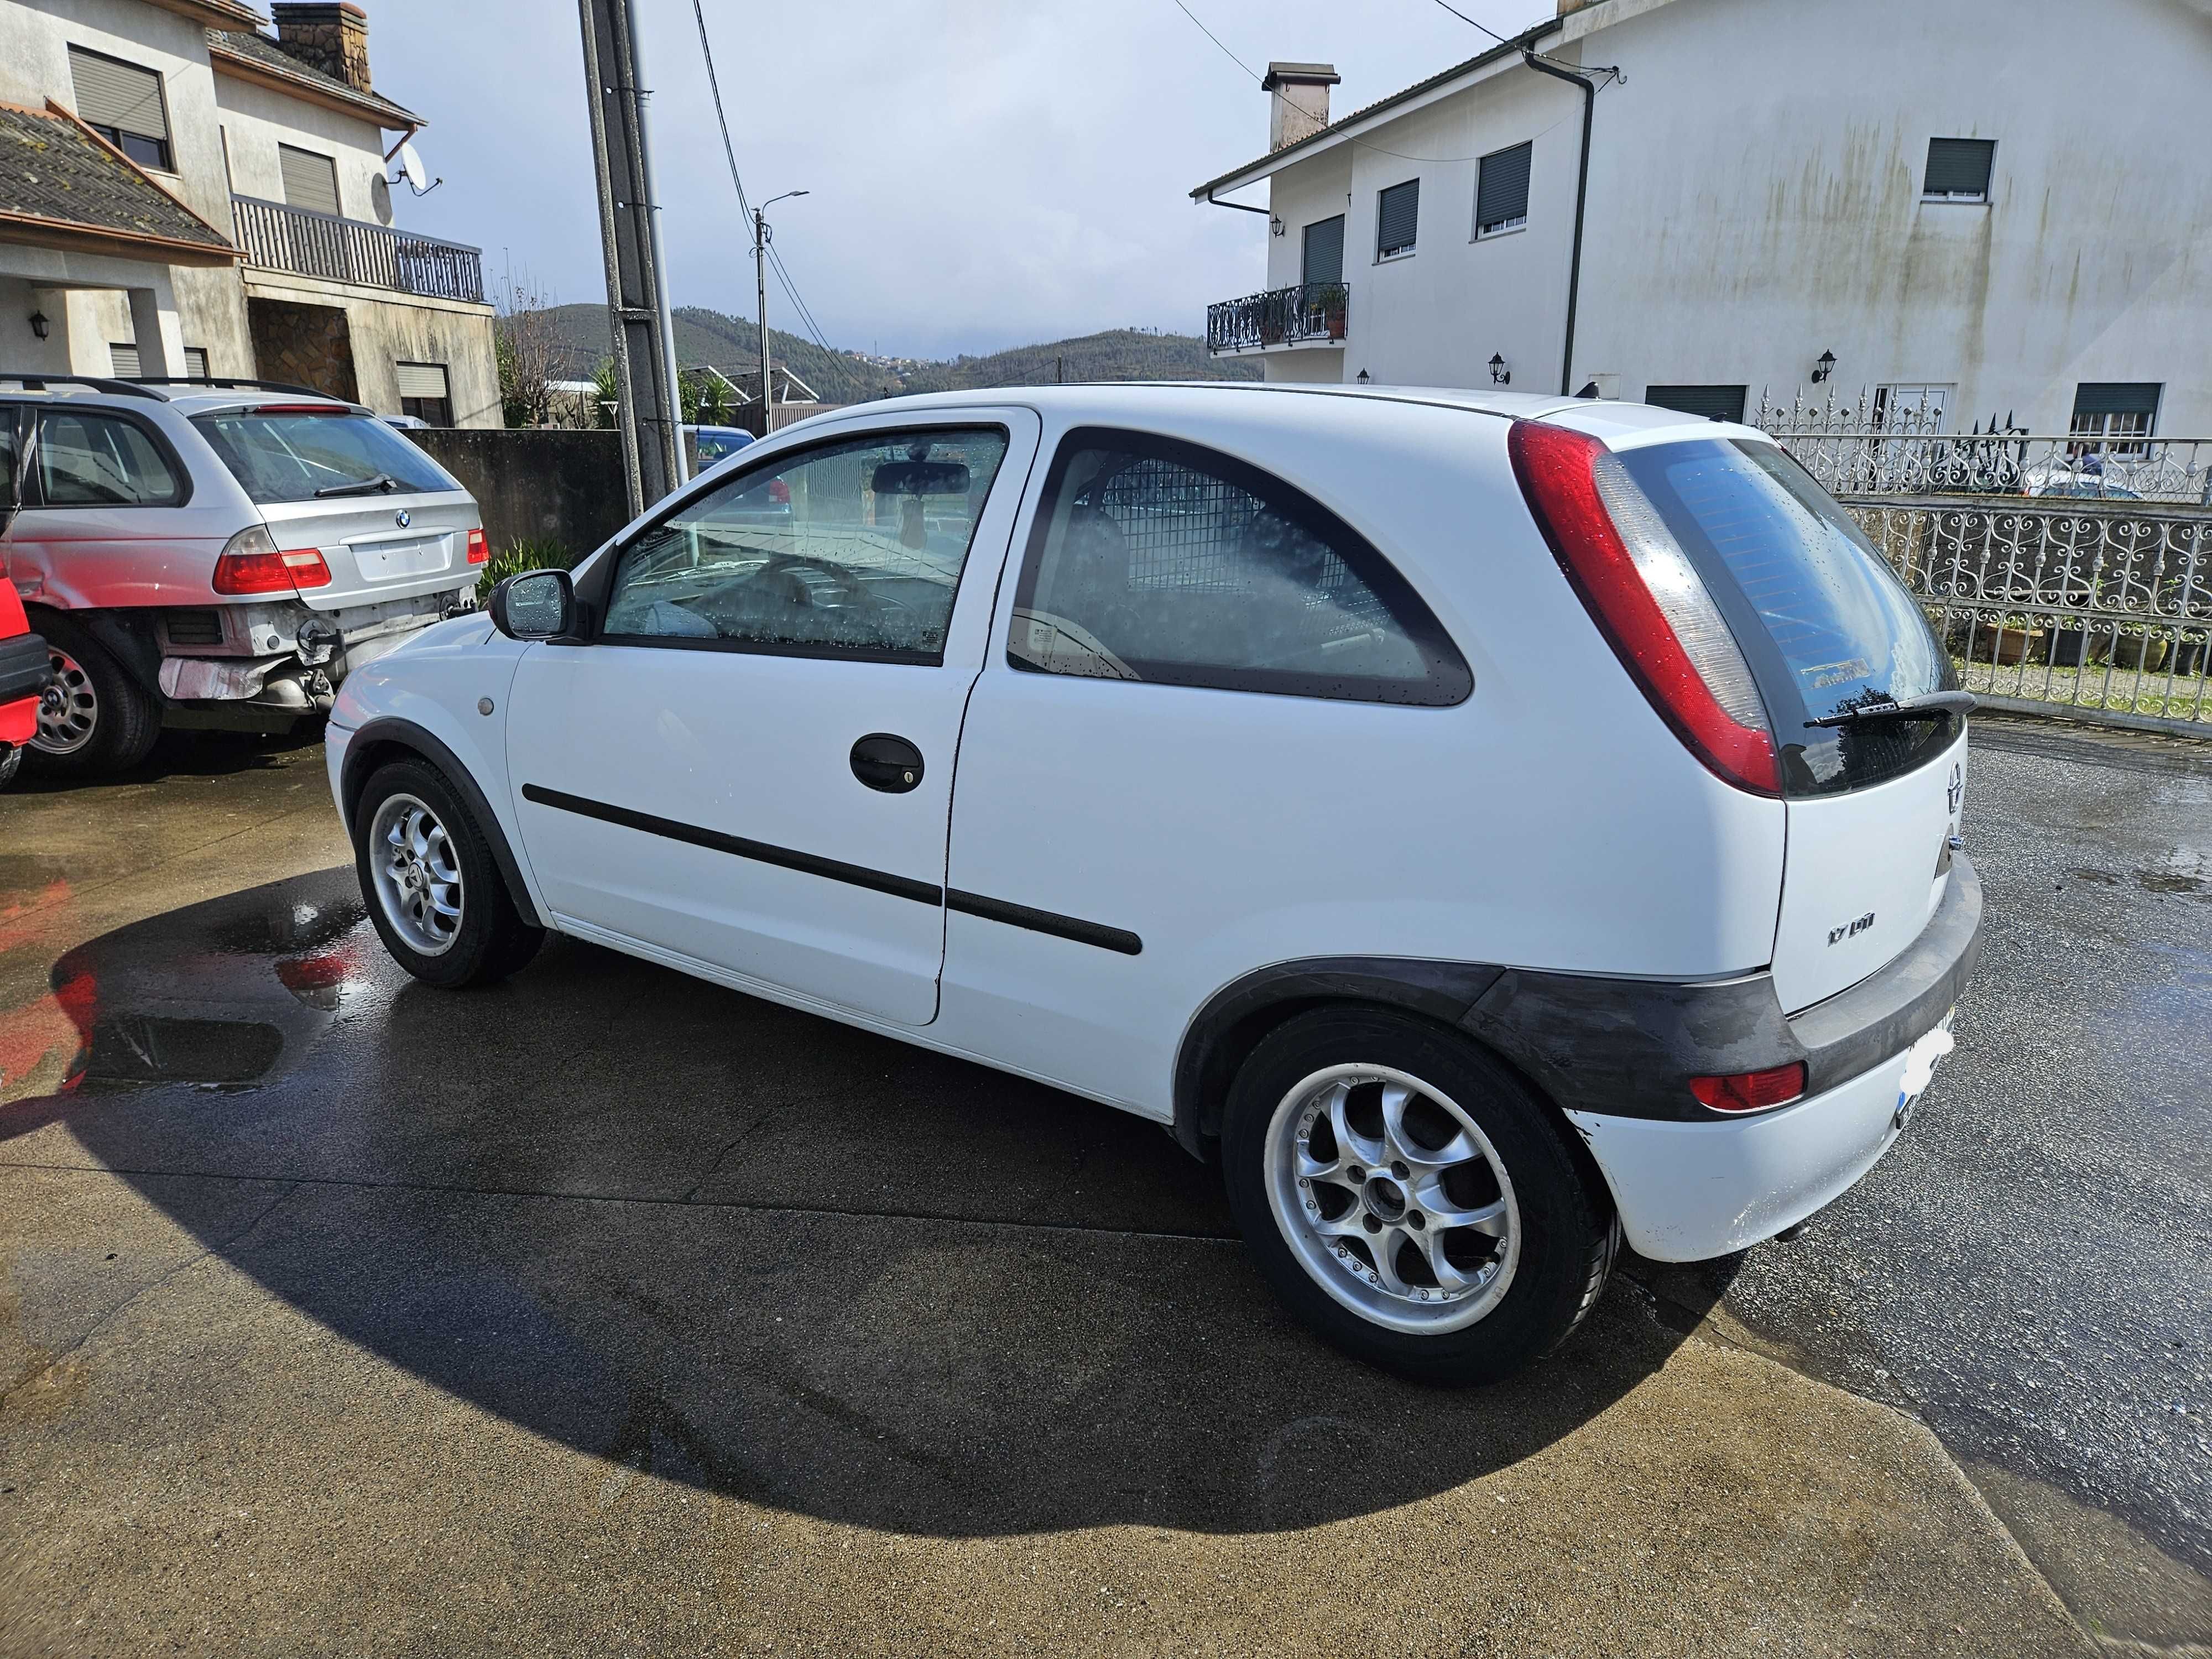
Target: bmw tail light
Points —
{"points": [[479, 549], [1648, 600], [252, 563], [1751, 1091]]}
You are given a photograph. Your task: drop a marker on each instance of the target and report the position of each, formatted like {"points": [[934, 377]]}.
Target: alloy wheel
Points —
{"points": [[69, 708], [1392, 1197], [417, 873]]}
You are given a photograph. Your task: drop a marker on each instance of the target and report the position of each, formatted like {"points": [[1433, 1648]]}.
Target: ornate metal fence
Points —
{"points": [[2074, 571], [1281, 316]]}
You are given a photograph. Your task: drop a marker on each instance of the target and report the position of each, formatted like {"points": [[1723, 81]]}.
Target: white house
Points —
{"points": [[182, 193], [2000, 205]]}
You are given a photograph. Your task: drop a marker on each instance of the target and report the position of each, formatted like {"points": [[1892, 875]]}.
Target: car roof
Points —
{"points": [[1618, 424]]}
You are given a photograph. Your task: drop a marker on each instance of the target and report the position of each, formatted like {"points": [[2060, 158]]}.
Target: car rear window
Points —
{"points": [[1823, 621], [294, 456]]}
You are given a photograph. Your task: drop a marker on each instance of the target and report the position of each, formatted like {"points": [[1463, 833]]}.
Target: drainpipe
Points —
{"points": [[1582, 193]]}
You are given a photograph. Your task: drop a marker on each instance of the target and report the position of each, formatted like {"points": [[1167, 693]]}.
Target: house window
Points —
{"points": [[2116, 409], [1958, 169], [123, 104], [1324, 251], [1715, 403], [1501, 192], [311, 180], [196, 362], [424, 393], [1397, 212]]}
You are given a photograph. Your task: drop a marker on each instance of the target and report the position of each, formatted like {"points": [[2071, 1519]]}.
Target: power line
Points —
{"points": [[1485, 27], [1216, 38]]}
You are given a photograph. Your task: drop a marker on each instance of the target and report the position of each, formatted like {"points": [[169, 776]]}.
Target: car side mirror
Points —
{"points": [[538, 604]]}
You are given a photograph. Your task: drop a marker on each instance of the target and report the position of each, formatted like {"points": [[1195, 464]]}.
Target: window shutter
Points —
{"points": [[1398, 213], [1959, 167], [119, 95], [1715, 403], [310, 180], [1324, 251], [421, 380], [196, 362], [1501, 196], [2117, 397], [125, 360]]}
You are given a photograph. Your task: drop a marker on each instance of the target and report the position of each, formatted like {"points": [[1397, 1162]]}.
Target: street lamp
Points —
{"points": [[760, 289]]}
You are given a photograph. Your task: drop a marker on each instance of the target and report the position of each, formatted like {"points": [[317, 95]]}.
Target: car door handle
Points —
{"points": [[888, 763]]}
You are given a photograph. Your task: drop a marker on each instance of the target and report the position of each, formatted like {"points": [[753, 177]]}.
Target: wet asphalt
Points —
{"points": [[801, 1271]]}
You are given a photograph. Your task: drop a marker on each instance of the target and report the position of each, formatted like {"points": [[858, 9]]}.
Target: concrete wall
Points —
{"points": [[561, 486], [1754, 199], [388, 329], [258, 120]]}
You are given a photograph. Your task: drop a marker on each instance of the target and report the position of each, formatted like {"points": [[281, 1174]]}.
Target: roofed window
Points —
{"points": [[1958, 169], [123, 104], [311, 180], [1501, 195], [1397, 214]]}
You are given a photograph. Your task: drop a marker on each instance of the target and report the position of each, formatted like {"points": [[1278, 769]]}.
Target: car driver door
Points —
{"points": [[745, 761]]}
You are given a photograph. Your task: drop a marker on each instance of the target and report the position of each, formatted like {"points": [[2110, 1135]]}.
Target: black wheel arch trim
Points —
{"points": [[1621, 1048], [391, 731]]}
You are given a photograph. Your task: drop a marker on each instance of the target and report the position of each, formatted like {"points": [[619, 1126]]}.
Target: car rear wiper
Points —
{"points": [[382, 481], [1923, 708]]}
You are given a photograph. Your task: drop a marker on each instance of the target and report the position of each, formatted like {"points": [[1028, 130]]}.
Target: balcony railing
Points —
{"points": [[1312, 312], [311, 244]]}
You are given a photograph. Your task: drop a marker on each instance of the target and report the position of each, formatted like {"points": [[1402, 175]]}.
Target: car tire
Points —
{"points": [[432, 889], [95, 719], [1354, 1130], [11, 763]]}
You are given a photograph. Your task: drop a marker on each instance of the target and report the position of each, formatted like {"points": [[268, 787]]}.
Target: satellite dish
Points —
{"points": [[410, 165]]}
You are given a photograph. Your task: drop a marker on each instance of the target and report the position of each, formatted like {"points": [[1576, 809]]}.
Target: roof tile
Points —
{"points": [[53, 169]]}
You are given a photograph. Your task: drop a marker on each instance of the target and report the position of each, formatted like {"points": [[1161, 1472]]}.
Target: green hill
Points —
{"points": [[729, 343], [1119, 354]]}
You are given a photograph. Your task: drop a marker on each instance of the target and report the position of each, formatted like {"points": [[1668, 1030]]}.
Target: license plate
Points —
{"points": [[387, 561], [1920, 1062]]}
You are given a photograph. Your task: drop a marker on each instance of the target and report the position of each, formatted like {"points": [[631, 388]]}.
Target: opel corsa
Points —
{"points": [[1490, 827]]}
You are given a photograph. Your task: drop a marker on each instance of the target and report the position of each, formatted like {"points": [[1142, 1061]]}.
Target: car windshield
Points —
{"points": [[279, 456]]}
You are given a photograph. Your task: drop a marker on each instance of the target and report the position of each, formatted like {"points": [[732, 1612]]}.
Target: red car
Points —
{"points": [[24, 671]]}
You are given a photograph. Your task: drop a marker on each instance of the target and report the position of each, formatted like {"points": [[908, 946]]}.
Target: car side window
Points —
{"points": [[86, 458], [1160, 561], [850, 548]]}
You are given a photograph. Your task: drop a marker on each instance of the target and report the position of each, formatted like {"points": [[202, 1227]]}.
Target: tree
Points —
{"points": [[526, 340]]}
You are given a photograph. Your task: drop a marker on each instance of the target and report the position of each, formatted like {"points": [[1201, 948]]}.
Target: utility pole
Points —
{"points": [[648, 407], [760, 235], [760, 291]]}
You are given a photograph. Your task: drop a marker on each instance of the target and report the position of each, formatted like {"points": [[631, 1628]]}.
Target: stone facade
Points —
{"points": [[328, 35], [304, 345]]}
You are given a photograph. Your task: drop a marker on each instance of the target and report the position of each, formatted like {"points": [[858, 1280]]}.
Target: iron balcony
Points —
{"points": [[1311, 313], [306, 243]]}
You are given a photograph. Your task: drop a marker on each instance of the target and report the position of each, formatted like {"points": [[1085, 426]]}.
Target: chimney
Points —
{"points": [[330, 35], [1297, 100]]}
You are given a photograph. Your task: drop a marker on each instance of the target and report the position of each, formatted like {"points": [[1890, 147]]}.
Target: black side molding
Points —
{"points": [[388, 731], [760, 852], [855, 875], [1046, 921]]}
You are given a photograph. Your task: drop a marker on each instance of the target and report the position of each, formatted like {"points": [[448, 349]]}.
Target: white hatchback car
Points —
{"points": [[1487, 825]]}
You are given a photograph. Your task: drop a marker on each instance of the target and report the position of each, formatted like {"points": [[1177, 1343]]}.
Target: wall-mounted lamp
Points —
{"points": [[1363, 377], [1499, 374], [39, 323], [1275, 227], [1824, 367]]}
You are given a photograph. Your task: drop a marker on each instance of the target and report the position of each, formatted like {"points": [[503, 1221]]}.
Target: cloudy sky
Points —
{"points": [[983, 172]]}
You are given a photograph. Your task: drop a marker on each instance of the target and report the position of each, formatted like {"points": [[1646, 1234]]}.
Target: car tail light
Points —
{"points": [[252, 563], [1647, 599], [479, 549], [1751, 1091], [779, 492]]}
